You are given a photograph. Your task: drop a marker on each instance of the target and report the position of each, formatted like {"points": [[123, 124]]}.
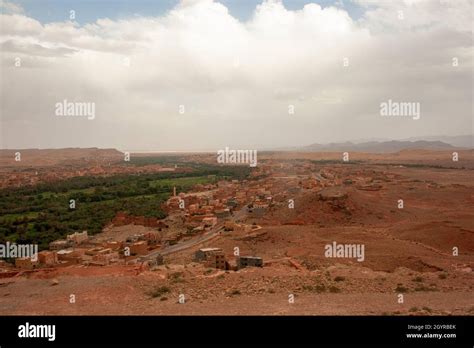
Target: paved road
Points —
{"points": [[215, 231]]}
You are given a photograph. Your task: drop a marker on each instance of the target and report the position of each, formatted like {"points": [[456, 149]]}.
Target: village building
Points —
{"points": [[249, 261], [204, 253], [106, 258], [113, 245], [60, 244], [135, 238], [222, 213], [152, 238], [97, 250], [210, 221], [25, 263], [48, 258], [139, 248], [68, 257], [170, 241], [78, 237], [217, 260], [193, 208], [229, 226]]}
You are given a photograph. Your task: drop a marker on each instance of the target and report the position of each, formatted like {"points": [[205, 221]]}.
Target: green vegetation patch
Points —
{"points": [[41, 214]]}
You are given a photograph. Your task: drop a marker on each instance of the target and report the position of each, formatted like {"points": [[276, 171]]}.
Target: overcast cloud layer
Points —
{"points": [[236, 79]]}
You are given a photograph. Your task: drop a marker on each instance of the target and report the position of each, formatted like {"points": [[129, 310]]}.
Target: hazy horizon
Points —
{"points": [[288, 148]]}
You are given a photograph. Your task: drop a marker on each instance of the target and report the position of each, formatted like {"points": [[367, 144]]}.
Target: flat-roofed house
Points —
{"points": [[78, 237], [60, 244], [25, 263], [204, 253], [48, 257], [139, 248], [249, 261]]}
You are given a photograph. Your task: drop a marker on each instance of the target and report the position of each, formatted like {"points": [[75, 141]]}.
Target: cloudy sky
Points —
{"points": [[203, 74]]}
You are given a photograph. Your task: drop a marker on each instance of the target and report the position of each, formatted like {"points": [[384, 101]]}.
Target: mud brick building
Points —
{"points": [[249, 261], [205, 253], [69, 257], [60, 244], [139, 248], [223, 213], [217, 260], [106, 258], [114, 245], [78, 237], [48, 257], [25, 263], [210, 221], [170, 240]]}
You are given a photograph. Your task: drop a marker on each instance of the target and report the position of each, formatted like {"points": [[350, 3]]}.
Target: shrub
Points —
{"points": [[160, 291], [176, 277], [320, 288], [425, 288], [401, 288]]}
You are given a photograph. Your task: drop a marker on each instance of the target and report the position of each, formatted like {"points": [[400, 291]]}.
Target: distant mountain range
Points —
{"points": [[383, 145], [457, 141], [378, 147], [387, 146]]}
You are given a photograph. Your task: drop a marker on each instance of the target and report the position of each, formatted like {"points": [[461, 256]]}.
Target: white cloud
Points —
{"points": [[9, 7], [236, 79], [418, 14]]}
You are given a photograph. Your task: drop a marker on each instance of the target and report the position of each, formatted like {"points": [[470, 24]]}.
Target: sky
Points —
{"points": [[50, 11], [203, 75]]}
